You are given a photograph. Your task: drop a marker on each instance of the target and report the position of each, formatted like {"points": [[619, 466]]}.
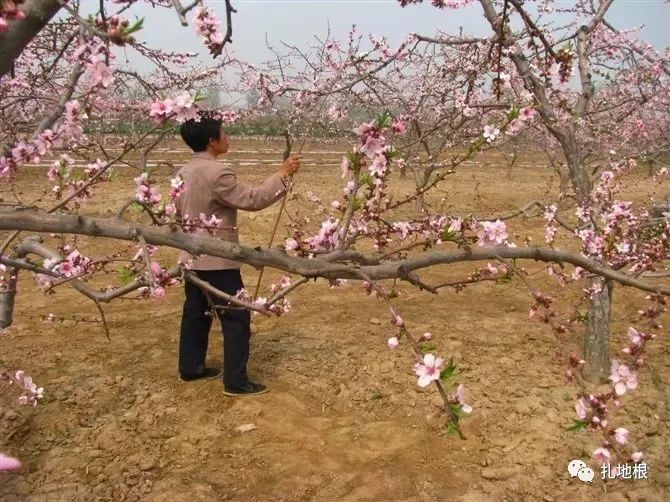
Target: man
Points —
{"points": [[212, 188]]}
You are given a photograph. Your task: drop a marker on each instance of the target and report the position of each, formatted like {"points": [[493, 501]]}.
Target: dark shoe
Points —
{"points": [[248, 389], [207, 374]]}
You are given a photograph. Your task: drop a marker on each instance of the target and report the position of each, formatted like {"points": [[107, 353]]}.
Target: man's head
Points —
{"points": [[205, 135]]}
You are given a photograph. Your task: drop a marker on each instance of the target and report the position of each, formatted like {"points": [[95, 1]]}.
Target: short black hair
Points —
{"points": [[197, 134]]}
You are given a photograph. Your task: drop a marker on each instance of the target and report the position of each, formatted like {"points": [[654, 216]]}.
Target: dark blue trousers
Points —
{"points": [[196, 322]]}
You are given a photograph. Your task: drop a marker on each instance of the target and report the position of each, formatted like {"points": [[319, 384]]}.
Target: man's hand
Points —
{"points": [[290, 166]]}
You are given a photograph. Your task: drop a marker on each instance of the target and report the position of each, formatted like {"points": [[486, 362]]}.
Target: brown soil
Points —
{"points": [[344, 419]]}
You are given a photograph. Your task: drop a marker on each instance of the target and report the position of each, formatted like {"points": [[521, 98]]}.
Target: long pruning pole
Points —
{"points": [[287, 152]]}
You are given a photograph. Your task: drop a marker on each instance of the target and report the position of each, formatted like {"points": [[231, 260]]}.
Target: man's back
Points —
{"points": [[212, 189]]}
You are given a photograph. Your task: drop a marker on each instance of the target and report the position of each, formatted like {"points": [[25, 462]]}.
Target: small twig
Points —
{"points": [[417, 350], [130, 203], [104, 319], [190, 276], [147, 259], [282, 293]]}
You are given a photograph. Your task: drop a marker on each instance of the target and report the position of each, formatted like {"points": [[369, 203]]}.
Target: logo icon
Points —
{"points": [[578, 468], [585, 474]]}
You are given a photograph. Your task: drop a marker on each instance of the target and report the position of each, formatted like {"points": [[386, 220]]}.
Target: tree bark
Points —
{"points": [[7, 299], [581, 182], [421, 179], [596, 340], [564, 176], [322, 266], [20, 33]]}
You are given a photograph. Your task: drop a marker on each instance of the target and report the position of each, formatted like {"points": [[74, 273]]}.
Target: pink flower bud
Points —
{"points": [[393, 342], [155, 267], [291, 244], [9, 463], [158, 293], [426, 337], [637, 456]]}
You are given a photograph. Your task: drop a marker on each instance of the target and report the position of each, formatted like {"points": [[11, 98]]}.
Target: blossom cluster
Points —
{"points": [[30, 151], [31, 394], [183, 108], [161, 280], [144, 192], [207, 27]]}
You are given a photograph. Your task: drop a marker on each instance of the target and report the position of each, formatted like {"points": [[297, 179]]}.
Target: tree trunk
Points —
{"points": [[420, 204], [564, 175], [421, 180], [7, 297], [581, 181], [596, 340]]}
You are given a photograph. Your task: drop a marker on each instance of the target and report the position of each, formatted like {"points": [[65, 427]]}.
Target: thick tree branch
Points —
{"points": [[11, 219], [20, 33]]}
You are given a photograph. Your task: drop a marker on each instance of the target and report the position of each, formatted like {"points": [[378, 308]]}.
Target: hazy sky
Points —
{"points": [[296, 21]]}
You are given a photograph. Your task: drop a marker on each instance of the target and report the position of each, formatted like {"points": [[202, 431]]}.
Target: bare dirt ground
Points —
{"points": [[344, 419]]}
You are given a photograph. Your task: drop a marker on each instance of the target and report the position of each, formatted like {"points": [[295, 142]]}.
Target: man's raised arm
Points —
{"points": [[241, 195]]}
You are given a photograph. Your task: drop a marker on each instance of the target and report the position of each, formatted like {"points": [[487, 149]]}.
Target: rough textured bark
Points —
{"points": [[8, 298], [596, 341], [597, 336], [564, 176], [581, 182], [422, 180], [20, 33], [7, 307], [323, 266]]}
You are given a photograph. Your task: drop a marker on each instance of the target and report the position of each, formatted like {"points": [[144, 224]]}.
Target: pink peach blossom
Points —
{"points": [[624, 379], [601, 455], [621, 435], [428, 369]]}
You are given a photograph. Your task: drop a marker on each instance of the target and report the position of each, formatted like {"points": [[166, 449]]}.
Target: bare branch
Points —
{"points": [[180, 12], [190, 276], [453, 41], [282, 293]]}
